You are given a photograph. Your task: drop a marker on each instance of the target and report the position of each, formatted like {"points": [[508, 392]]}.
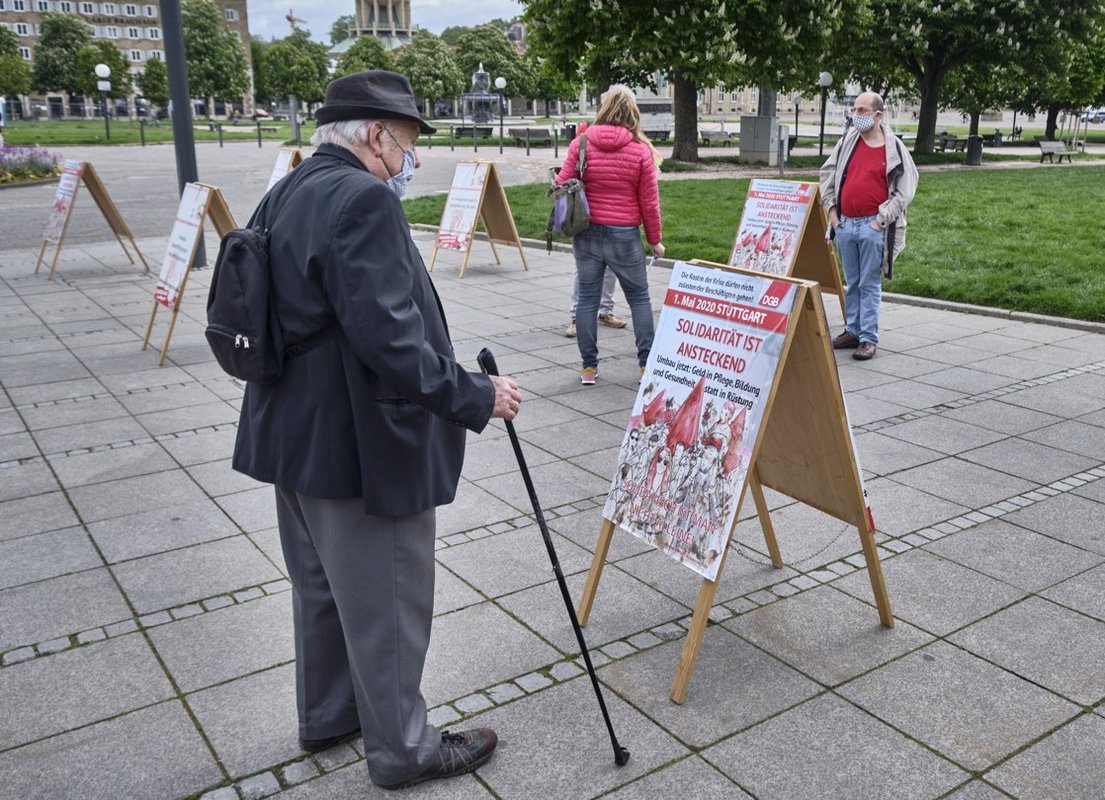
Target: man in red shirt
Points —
{"points": [[866, 184]]}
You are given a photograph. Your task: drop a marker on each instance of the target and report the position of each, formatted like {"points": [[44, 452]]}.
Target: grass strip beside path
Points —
{"points": [[1020, 239]]}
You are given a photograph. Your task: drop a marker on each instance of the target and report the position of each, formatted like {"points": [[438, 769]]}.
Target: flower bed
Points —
{"points": [[18, 164]]}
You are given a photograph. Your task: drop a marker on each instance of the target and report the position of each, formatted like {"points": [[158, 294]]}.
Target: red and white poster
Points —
{"points": [[182, 243], [63, 200], [771, 226], [458, 220], [685, 455]]}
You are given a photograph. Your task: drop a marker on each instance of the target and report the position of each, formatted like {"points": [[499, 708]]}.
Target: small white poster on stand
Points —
{"points": [[182, 243]]}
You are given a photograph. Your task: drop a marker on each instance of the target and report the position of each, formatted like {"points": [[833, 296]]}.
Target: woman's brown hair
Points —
{"points": [[619, 107]]}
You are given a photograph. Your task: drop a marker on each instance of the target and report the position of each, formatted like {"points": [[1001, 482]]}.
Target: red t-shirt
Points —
{"points": [[864, 187]]}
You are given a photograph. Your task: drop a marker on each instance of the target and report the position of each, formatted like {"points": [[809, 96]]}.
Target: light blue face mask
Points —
{"points": [[399, 182], [402, 179]]}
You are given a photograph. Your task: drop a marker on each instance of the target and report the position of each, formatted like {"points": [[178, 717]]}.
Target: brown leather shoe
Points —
{"points": [[846, 341], [611, 321], [460, 753], [865, 351]]}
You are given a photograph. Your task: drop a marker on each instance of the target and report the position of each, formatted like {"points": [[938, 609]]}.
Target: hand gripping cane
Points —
{"points": [[621, 755]]}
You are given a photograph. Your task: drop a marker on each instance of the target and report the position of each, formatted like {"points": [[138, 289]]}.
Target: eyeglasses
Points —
{"points": [[863, 110]]}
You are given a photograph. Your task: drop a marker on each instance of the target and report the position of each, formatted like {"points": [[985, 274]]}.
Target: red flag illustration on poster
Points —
{"points": [[772, 221], [685, 455]]}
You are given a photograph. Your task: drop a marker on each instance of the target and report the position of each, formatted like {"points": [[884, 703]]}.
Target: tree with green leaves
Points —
{"points": [[342, 28], [452, 34], [367, 52], [55, 70], [15, 75], [297, 66], [429, 65], [931, 41], [696, 43], [258, 60], [216, 60], [153, 82], [488, 45], [101, 51]]}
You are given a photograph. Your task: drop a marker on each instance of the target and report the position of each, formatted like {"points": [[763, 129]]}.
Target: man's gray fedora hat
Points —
{"points": [[376, 94]]}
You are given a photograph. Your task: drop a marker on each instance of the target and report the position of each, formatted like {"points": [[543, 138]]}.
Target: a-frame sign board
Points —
{"points": [[476, 194], [784, 231], [73, 173], [768, 411], [198, 202], [286, 160]]}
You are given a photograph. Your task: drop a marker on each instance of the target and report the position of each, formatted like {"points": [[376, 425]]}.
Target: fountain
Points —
{"points": [[477, 103]]}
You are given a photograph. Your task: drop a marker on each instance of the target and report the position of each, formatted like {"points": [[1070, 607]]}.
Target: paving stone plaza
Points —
{"points": [[145, 616]]}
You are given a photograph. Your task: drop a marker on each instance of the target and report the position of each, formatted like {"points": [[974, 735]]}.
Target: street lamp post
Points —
{"points": [[103, 72], [500, 84], [824, 80]]}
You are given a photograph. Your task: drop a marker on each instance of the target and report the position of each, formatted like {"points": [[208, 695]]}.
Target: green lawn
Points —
{"points": [[1019, 239], [91, 131]]}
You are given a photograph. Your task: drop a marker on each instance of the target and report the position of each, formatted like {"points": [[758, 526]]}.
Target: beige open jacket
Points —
{"points": [[901, 182]]}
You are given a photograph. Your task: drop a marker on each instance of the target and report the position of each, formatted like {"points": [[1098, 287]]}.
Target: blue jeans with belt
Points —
{"points": [[861, 250], [618, 247]]}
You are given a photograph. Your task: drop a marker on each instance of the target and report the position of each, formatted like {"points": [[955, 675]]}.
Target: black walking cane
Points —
{"points": [[621, 755]]}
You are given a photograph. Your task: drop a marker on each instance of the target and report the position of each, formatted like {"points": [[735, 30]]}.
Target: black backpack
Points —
{"points": [[242, 327]]}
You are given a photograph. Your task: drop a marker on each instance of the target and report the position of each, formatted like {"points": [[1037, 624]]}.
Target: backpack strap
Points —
{"points": [[581, 163]]}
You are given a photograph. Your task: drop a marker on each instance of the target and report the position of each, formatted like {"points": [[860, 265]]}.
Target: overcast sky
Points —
{"points": [[267, 17]]}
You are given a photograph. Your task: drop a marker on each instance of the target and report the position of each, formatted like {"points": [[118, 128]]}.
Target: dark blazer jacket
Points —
{"points": [[381, 410]]}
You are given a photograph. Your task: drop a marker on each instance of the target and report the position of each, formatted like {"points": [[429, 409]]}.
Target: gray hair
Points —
{"points": [[345, 133]]}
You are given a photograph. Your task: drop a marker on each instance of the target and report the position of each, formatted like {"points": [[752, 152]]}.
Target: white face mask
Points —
{"points": [[399, 181], [863, 122]]}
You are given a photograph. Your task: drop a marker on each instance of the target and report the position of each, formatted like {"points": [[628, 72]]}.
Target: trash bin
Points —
{"points": [[974, 151], [569, 132]]}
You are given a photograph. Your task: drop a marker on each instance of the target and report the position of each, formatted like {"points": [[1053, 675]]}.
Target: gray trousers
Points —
{"points": [[362, 601]]}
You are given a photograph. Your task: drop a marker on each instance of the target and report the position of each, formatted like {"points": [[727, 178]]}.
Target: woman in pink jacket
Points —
{"points": [[620, 178]]}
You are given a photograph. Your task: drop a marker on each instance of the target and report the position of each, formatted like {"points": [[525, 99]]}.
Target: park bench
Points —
{"points": [[466, 131], [658, 135], [949, 141], [532, 135], [709, 137], [1049, 150], [992, 139]]}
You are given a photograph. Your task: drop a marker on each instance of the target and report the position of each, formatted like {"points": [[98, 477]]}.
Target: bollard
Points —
{"points": [[452, 143], [219, 128], [258, 133], [556, 142], [527, 141], [475, 139], [142, 131]]}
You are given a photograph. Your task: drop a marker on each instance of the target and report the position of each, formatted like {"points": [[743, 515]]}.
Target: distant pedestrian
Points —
{"points": [[866, 216], [363, 435]]}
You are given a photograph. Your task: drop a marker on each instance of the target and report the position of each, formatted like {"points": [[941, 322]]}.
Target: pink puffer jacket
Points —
{"points": [[620, 179]]}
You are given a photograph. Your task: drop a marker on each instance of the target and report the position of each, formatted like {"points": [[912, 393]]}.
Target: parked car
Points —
{"points": [[260, 113], [1093, 115]]}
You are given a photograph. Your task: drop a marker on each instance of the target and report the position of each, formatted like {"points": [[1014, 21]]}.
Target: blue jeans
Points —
{"points": [[620, 249], [861, 250]]}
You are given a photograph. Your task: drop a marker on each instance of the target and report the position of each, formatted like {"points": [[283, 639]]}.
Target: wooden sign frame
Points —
{"points": [[804, 450], [492, 208], [293, 156], [815, 259], [86, 173], [215, 209]]}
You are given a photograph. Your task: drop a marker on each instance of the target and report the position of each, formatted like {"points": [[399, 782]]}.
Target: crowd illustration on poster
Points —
{"points": [[683, 462], [771, 226]]}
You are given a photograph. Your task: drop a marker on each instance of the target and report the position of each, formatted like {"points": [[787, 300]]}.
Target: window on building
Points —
{"points": [[19, 5], [151, 11], [130, 11], [134, 33], [231, 15], [135, 55], [2, 8], [153, 33], [157, 55], [109, 8], [111, 32], [22, 29], [25, 52], [42, 5], [86, 8], [65, 7]]}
